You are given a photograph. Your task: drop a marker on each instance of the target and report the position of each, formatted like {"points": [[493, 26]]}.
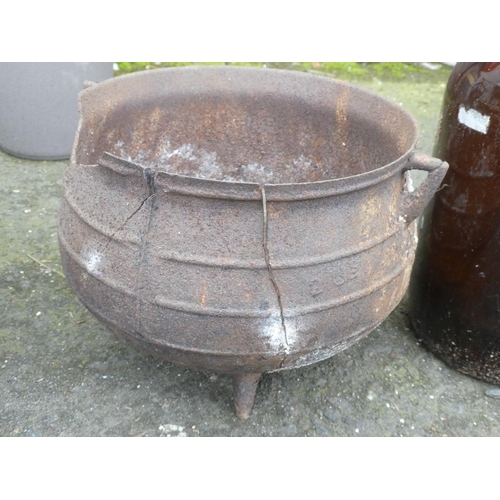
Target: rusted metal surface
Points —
{"points": [[240, 220]]}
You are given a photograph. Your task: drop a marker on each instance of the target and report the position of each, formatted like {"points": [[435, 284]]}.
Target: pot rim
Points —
{"points": [[239, 190]]}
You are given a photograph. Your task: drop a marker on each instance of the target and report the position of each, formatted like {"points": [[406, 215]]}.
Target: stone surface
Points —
{"points": [[63, 374]]}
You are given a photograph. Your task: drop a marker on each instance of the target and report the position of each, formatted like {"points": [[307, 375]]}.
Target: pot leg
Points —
{"points": [[244, 389]]}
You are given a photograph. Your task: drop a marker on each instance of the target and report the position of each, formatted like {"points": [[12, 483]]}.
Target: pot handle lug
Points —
{"points": [[413, 203]]}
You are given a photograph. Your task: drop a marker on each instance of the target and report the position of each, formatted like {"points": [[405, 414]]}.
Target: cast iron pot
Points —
{"points": [[240, 220]]}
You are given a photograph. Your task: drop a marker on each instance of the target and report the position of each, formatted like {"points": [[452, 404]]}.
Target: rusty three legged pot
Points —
{"points": [[240, 220]]}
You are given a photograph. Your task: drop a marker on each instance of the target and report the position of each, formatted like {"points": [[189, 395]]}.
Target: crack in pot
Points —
{"points": [[149, 175], [271, 273]]}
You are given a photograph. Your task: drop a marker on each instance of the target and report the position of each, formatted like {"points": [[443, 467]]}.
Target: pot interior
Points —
{"points": [[261, 126]]}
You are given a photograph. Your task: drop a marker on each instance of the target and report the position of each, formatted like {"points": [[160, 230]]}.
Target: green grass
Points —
{"points": [[342, 70]]}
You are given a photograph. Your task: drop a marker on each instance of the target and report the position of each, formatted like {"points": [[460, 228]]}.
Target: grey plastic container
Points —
{"points": [[38, 106]]}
